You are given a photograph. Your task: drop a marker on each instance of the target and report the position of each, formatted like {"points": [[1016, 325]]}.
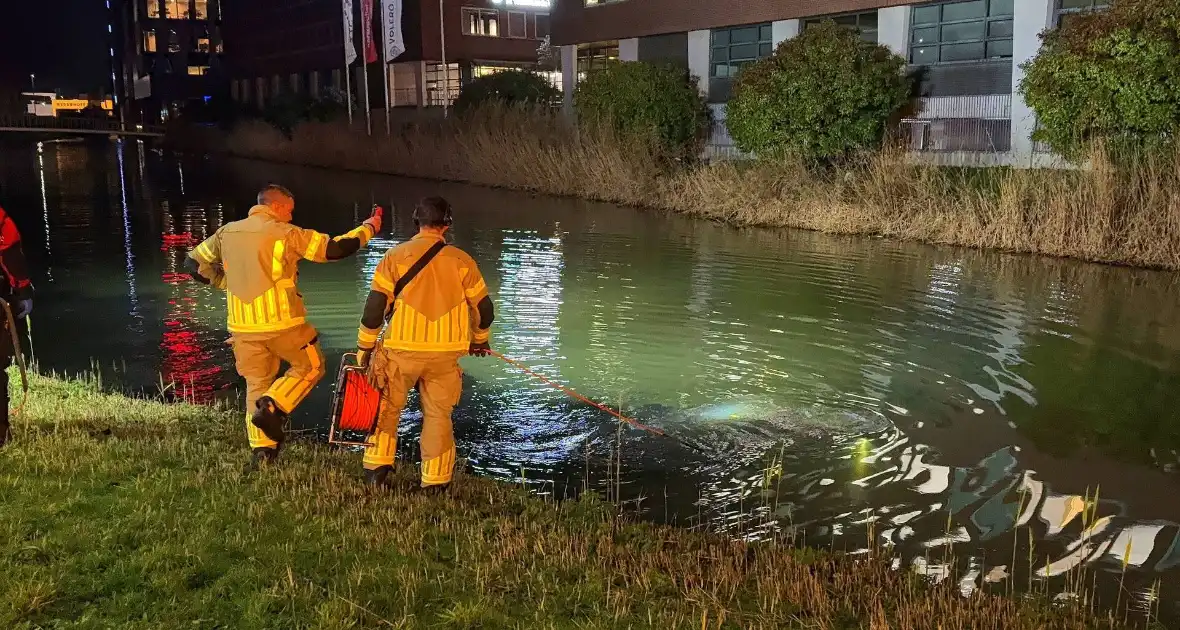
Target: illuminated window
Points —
{"points": [[153, 8], [198, 71], [176, 9], [484, 22], [442, 85], [597, 55], [865, 22], [203, 44], [733, 48], [951, 32], [202, 9], [149, 41], [173, 42]]}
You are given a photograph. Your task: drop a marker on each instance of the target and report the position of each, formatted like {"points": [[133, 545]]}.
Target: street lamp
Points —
{"points": [[33, 81]]}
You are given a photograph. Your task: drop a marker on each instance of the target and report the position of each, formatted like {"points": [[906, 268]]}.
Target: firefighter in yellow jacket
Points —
{"points": [[432, 302], [255, 260]]}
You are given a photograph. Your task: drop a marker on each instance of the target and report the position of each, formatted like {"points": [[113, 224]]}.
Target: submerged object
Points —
{"points": [[771, 417]]}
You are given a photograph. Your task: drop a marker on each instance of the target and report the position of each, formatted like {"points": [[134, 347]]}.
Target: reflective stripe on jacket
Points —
{"points": [[437, 310], [259, 256]]}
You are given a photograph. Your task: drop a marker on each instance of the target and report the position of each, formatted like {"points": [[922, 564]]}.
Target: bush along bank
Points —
{"points": [[134, 514], [818, 122], [1107, 213]]}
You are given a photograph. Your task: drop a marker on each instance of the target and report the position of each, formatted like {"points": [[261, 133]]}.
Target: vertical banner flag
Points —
{"points": [[349, 48], [367, 31], [391, 25]]}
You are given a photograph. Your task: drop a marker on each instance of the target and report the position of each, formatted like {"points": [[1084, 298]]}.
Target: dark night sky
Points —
{"points": [[64, 42]]}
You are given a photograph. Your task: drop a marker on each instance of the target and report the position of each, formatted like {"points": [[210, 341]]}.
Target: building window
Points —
{"points": [[153, 8], [597, 55], [198, 71], [173, 42], [1069, 9], [484, 22], [176, 9], [953, 32], [203, 44], [201, 9], [865, 22], [149, 41], [733, 48], [442, 85], [518, 25], [541, 25]]}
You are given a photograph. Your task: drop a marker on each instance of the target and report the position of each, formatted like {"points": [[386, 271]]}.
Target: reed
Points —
{"points": [[131, 513], [1124, 215]]}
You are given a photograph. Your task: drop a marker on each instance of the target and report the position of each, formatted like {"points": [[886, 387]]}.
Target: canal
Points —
{"points": [[1007, 420]]}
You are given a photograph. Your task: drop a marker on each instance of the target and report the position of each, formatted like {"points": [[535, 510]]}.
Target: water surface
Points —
{"points": [[946, 402]]}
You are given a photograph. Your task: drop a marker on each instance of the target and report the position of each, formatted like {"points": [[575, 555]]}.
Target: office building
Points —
{"points": [[166, 56], [300, 48], [970, 52]]}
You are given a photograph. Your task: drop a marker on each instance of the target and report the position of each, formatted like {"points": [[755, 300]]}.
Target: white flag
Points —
{"points": [[349, 30], [391, 27]]}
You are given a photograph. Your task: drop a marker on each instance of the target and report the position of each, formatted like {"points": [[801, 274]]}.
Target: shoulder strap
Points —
{"points": [[417, 267]]}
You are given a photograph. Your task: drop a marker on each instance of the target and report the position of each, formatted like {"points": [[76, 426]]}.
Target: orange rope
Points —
{"points": [[573, 394]]}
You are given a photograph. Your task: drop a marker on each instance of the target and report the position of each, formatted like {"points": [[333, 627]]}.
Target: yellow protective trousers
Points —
{"points": [[440, 383], [258, 358]]}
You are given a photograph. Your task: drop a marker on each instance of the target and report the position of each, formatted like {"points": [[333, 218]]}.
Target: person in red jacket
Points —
{"points": [[17, 290]]}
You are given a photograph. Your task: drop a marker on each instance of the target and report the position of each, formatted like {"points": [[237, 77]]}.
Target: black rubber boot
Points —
{"points": [[379, 477], [261, 457], [270, 419], [5, 429], [436, 490]]}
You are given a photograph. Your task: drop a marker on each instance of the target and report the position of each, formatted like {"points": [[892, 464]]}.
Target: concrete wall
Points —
{"points": [[782, 30], [629, 49], [1032, 17], [698, 58]]}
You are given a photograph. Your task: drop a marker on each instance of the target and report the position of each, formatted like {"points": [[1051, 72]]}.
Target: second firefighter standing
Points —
{"points": [[431, 300]]}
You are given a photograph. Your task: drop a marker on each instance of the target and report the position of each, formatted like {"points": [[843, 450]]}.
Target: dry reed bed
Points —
{"points": [[1103, 214], [130, 513]]}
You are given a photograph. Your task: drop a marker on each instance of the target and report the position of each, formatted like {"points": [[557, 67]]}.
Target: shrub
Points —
{"points": [[1109, 76], [285, 111], [509, 87], [654, 103], [821, 96]]}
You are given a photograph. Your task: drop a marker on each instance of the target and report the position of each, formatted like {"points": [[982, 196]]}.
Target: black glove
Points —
{"points": [[480, 349]]}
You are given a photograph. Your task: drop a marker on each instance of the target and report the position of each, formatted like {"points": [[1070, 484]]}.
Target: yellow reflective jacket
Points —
{"points": [[259, 258], [438, 310]]}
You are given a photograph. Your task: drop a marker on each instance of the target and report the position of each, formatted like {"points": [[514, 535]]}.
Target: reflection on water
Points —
{"points": [[964, 408]]}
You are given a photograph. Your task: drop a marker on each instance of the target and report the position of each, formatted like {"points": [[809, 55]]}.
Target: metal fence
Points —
{"points": [[961, 123], [966, 124], [79, 124]]}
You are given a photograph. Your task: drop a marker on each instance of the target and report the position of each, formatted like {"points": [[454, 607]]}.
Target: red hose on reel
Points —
{"points": [[356, 405]]}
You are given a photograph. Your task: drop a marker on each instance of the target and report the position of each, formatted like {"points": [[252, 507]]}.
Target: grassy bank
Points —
{"points": [[132, 514], [1127, 216]]}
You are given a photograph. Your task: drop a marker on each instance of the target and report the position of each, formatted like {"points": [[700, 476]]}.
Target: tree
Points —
{"points": [[1112, 76], [650, 102], [507, 87], [821, 96]]}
